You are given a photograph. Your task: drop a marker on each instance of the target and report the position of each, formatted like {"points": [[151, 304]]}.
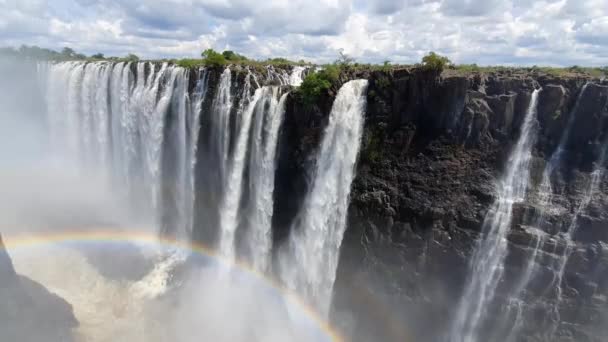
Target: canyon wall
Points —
{"points": [[28, 311], [433, 151]]}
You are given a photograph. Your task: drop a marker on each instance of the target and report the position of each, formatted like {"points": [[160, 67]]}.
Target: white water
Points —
{"points": [[115, 126], [296, 77], [262, 167], [311, 256], [117, 121], [157, 307], [545, 195], [281, 77], [234, 183], [220, 132], [487, 261], [590, 191], [138, 124], [107, 310], [257, 136]]}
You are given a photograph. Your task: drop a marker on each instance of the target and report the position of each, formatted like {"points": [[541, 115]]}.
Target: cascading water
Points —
{"points": [[487, 261], [590, 191], [545, 194], [115, 122], [262, 166], [234, 183], [160, 140], [311, 255], [296, 77], [257, 136]]}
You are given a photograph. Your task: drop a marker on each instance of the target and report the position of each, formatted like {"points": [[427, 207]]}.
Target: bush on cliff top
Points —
{"points": [[318, 82], [213, 58], [435, 62]]}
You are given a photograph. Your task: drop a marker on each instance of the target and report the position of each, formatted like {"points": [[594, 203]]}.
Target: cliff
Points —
{"points": [[28, 311], [433, 150]]}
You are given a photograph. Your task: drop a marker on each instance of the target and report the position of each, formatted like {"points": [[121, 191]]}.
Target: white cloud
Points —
{"points": [[561, 32]]}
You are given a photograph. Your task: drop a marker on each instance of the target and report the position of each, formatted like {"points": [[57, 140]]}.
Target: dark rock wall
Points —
{"points": [[431, 153], [28, 311]]}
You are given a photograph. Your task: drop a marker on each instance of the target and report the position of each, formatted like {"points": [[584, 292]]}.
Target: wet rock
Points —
{"points": [[28, 311], [432, 153]]}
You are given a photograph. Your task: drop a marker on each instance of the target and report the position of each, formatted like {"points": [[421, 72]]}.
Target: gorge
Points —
{"points": [[401, 205]]}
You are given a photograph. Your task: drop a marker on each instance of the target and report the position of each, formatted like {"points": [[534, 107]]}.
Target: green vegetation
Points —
{"points": [[190, 63], [132, 58], [233, 56], [318, 82], [213, 58], [435, 62]]}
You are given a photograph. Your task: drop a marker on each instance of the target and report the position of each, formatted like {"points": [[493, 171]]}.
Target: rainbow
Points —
{"points": [[32, 240]]}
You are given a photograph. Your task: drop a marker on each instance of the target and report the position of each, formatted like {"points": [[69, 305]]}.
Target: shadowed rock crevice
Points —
{"points": [[28, 311]]}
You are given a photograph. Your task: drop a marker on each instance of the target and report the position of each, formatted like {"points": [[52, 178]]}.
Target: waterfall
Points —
{"points": [[296, 77], [592, 187], [262, 167], [281, 77], [257, 136], [175, 157], [194, 127], [113, 122], [545, 194], [487, 261], [310, 258], [234, 182]]}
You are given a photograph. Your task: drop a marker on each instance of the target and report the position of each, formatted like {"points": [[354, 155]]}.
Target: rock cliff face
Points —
{"points": [[433, 149], [28, 311]]}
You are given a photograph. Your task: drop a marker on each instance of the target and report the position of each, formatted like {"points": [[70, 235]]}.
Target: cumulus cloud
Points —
{"points": [[555, 32]]}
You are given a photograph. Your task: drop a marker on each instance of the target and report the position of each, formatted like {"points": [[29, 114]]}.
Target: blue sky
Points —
{"points": [[513, 32]]}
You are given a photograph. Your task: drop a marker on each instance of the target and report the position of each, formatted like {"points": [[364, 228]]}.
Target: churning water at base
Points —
{"points": [[176, 299], [487, 261], [311, 256]]}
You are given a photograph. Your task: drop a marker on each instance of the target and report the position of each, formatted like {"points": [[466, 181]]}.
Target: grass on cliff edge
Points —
{"points": [[210, 57]]}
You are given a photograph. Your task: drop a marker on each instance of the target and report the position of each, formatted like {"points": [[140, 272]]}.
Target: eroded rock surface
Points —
{"points": [[28, 311]]}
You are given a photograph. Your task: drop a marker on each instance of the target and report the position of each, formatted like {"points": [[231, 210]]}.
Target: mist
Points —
{"points": [[43, 188], [105, 291]]}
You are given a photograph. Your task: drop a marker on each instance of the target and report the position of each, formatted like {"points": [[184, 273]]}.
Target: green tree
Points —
{"points": [[233, 56], [213, 58], [316, 83], [132, 57], [68, 52], [344, 60], [435, 62], [98, 55]]}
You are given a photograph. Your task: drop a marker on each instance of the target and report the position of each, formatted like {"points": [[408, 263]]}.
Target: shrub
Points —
{"points": [[316, 83], [312, 87], [435, 62], [344, 60], [213, 58], [190, 63], [132, 58], [98, 55], [233, 56]]}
